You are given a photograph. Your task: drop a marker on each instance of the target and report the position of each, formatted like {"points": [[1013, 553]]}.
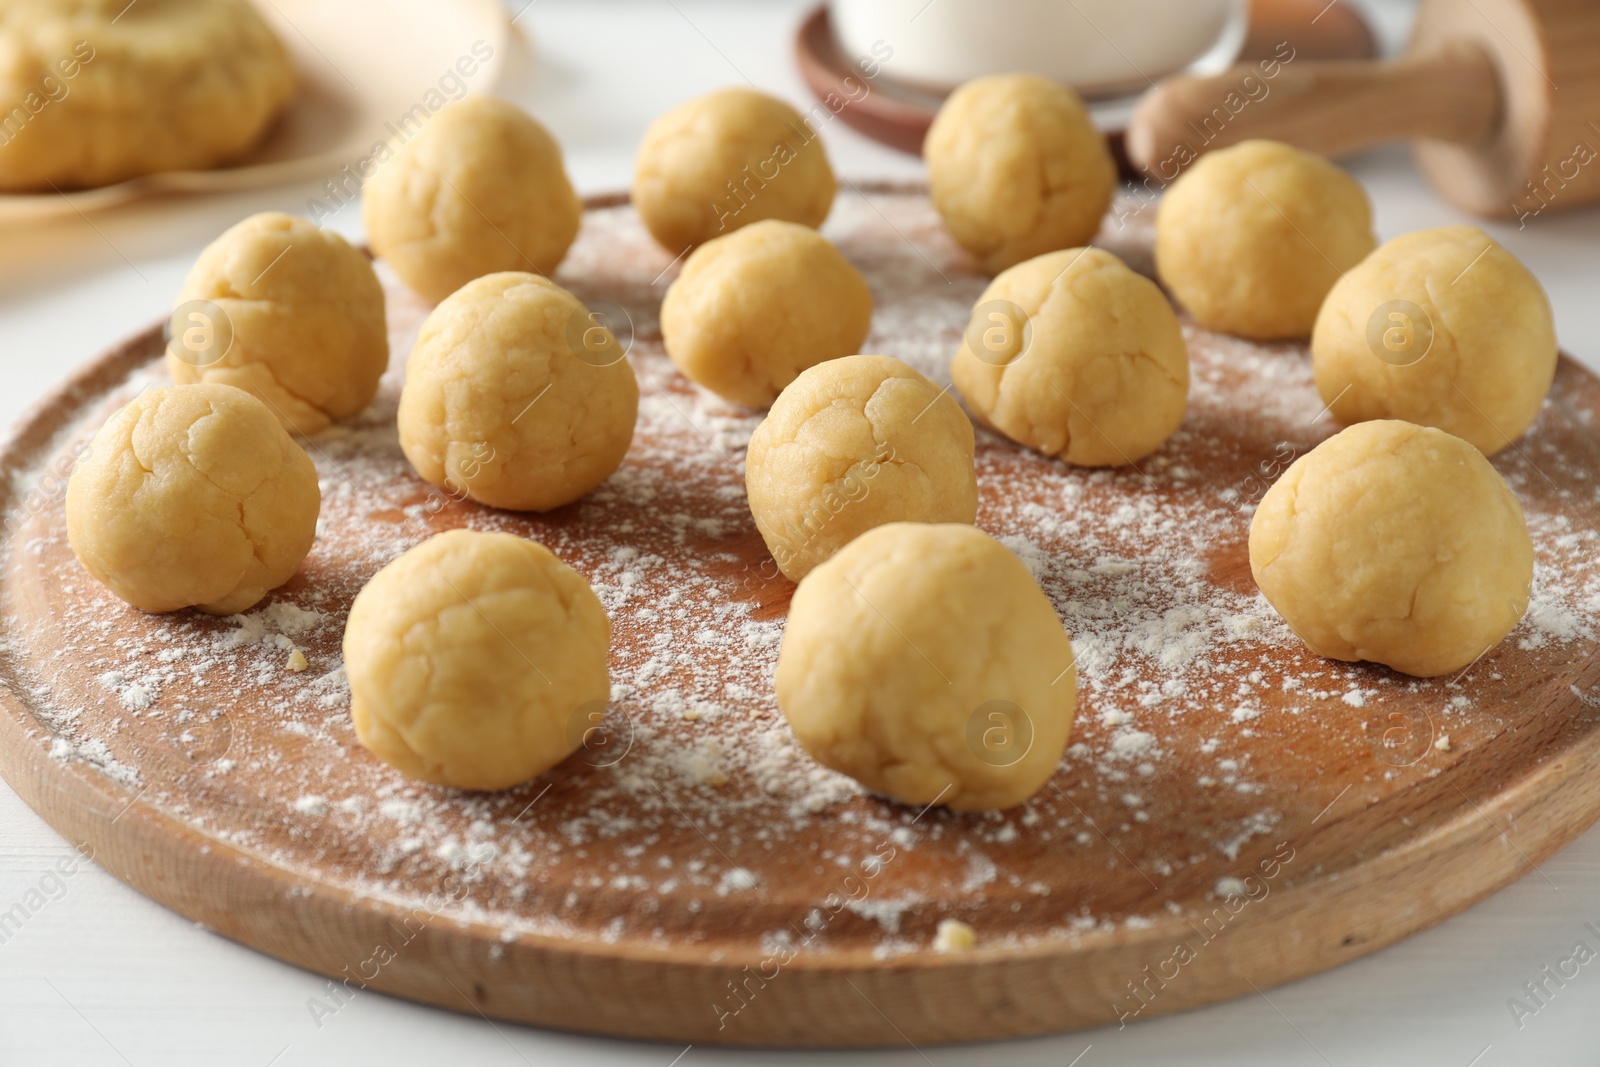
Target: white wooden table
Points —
{"points": [[99, 975]]}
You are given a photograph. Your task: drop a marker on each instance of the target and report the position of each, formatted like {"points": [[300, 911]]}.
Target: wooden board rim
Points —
{"points": [[84, 806]]}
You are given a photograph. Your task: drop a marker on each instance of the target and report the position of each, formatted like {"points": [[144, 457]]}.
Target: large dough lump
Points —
{"points": [[99, 91]]}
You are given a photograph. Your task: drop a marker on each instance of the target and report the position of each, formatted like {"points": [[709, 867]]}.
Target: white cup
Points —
{"points": [[1100, 47]]}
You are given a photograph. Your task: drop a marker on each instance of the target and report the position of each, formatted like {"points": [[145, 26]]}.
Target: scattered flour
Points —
{"points": [[694, 791]]}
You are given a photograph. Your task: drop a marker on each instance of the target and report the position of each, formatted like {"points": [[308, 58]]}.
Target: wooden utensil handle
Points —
{"points": [[1332, 108]]}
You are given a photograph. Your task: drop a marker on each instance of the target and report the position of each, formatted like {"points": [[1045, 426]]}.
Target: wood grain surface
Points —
{"points": [[1232, 813]]}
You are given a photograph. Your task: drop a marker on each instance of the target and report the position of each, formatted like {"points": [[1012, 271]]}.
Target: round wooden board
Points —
{"points": [[689, 874]]}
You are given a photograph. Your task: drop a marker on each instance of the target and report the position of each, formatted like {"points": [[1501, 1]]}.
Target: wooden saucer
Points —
{"points": [[899, 115], [1232, 812]]}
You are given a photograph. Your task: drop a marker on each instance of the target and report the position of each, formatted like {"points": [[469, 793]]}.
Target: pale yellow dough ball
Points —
{"points": [[481, 189], [1016, 169], [1251, 238], [514, 397], [476, 660], [926, 663], [1077, 356], [285, 311], [192, 496], [754, 308], [1440, 327], [1394, 543], [725, 160], [95, 92], [852, 444]]}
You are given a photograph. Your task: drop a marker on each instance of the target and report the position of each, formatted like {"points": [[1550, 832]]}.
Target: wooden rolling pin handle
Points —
{"points": [[1332, 108]]}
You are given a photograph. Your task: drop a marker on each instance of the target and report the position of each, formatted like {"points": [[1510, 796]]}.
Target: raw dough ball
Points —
{"points": [[301, 324], [1077, 356], [1440, 327], [725, 160], [100, 91], [481, 189], [476, 660], [924, 662], [515, 397], [1016, 169], [192, 496], [856, 443], [1394, 543], [1251, 238], [755, 308]]}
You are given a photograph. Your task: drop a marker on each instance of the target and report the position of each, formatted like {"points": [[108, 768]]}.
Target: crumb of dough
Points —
{"points": [[954, 936]]}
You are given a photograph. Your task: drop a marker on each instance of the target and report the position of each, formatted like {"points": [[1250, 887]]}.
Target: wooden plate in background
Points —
{"points": [[362, 65]]}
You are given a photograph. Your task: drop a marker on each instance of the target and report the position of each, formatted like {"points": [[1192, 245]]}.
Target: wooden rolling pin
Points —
{"points": [[1501, 96]]}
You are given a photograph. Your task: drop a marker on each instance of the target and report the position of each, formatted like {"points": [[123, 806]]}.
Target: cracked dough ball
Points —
{"points": [[304, 312], [1394, 543], [725, 160], [476, 660], [1251, 238], [101, 91], [192, 496], [481, 189], [1439, 327], [852, 444], [925, 662], [515, 397], [1016, 168], [1077, 356], [754, 308]]}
